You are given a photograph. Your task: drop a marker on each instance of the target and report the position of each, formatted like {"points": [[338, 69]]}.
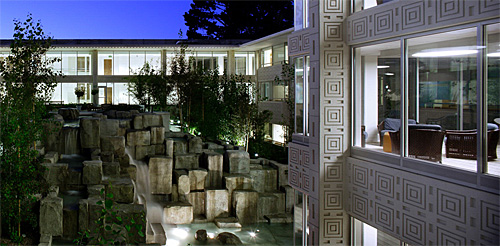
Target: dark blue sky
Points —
{"points": [[93, 19]]}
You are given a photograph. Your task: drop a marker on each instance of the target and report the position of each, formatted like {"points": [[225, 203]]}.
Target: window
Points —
{"points": [[220, 61], [264, 91], [492, 88], [245, 63], [105, 63], [121, 63], [431, 112], [56, 66], [267, 57], [137, 60], [301, 95], [378, 95], [366, 4], [301, 8], [83, 63], [154, 59], [300, 217], [279, 54], [366, 235]]}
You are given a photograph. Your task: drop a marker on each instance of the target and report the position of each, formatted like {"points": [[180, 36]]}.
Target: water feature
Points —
{"points": [[70, 140]]}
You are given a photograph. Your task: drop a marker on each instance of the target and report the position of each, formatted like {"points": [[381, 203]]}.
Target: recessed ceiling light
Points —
{"points": [[449, 51], [389, 74], [383, 66]]}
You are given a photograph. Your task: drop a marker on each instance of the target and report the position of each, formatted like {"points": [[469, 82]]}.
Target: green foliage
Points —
{"points": [[111, 227], [150, 86], [27, 85]]}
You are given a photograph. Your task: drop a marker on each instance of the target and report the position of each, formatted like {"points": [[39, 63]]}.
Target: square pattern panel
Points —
{"points": [[414, 193], [449, 10], [384, 184], [413, 15], [334, 143], [333, 199], [384, 216], [333, 228], [451, 205], [334, 115], [383, 22], [333, 31], [334, 87], [414, 229]]}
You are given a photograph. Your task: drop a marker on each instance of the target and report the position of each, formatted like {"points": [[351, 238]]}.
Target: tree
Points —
{"points": [[27, 84], [237, 19], [150, 86]]}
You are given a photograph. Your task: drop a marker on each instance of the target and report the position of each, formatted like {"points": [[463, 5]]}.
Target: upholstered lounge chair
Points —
{"points": [[390, 125], [425, 144]]}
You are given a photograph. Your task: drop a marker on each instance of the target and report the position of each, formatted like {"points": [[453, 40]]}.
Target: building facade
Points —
{"points": [[432, 69]]}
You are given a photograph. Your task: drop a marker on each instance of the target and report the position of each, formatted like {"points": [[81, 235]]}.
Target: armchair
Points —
{"points": [[425, 144], [463, 144]]}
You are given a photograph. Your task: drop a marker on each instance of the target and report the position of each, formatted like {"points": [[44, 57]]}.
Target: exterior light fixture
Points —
{"points": [[252, 234]]}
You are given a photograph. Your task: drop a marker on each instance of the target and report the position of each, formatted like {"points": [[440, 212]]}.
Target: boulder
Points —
{"points": [[229, 238], [236, 161], [157, 135], [160, 174], [92, 172], [140, 138], [178, 213], [216, 203], [90, 132], [197, 178], [245, 203], [186, 161], [201, 235], [69, 113], [51, 216]]}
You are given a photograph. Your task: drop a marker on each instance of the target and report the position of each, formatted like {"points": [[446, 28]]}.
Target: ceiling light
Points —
{"points": [[382, 66], [449, 51], [389, 74], [496, 54]]}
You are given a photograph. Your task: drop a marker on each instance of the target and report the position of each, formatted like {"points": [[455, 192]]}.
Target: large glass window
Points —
{"points": [[105, 63], [301, 9], [56, 66], [378, 95], [220, 61], [442, 78], [83, 63], [366, 4], [245, 63], [121, 63], [137, 60], [493, 95], [69, 63], [154, 59], [266, 57], [366, 235], [279, 54], [301, 95]]}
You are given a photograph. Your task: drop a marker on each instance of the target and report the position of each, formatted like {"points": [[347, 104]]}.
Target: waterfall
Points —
{"points": [[154, 210], [70, 138]]}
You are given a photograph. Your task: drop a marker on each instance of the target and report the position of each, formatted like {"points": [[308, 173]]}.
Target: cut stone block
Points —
{"points": [[83, 215], [183, 184], [109, 127], [52, 141], [197, 178], [213, 162], [51, 157], [178, 213], [137, 122], [180, 146], [138, 214], [70, 223], [186, 161], [157, 135], [265, 179], [74, 177], [141, 152], [269, 204], [69, 113], [107, 156], [149, 120], [197, 200], [122, 190], [90, 132], [51, 216], [214, 146], [92, 172], [160, 174], [140, 138], [216, 203], [282, 173], [279, 218], [111, 168], [111, 114], [229, 222], [130, 171], [289, 198], [159, 149], [236, 161], [245, 205], [164, 120], [123, 160], [195, 145], [237, 182], [159, 233], [94, 191], [123, 115], [45, 240], [169, 147], [115, 145], [56, 174]]}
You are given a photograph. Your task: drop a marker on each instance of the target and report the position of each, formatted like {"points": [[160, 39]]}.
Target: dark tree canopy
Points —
{"points": [[238, 19]]}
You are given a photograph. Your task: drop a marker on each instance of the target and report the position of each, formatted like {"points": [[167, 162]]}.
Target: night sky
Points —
{"points": [[93, 19]]}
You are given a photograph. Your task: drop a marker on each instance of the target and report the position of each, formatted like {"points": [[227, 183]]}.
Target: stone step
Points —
{"points": [[229, 222], [279, 218], [198, 218], [159, 233]]}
